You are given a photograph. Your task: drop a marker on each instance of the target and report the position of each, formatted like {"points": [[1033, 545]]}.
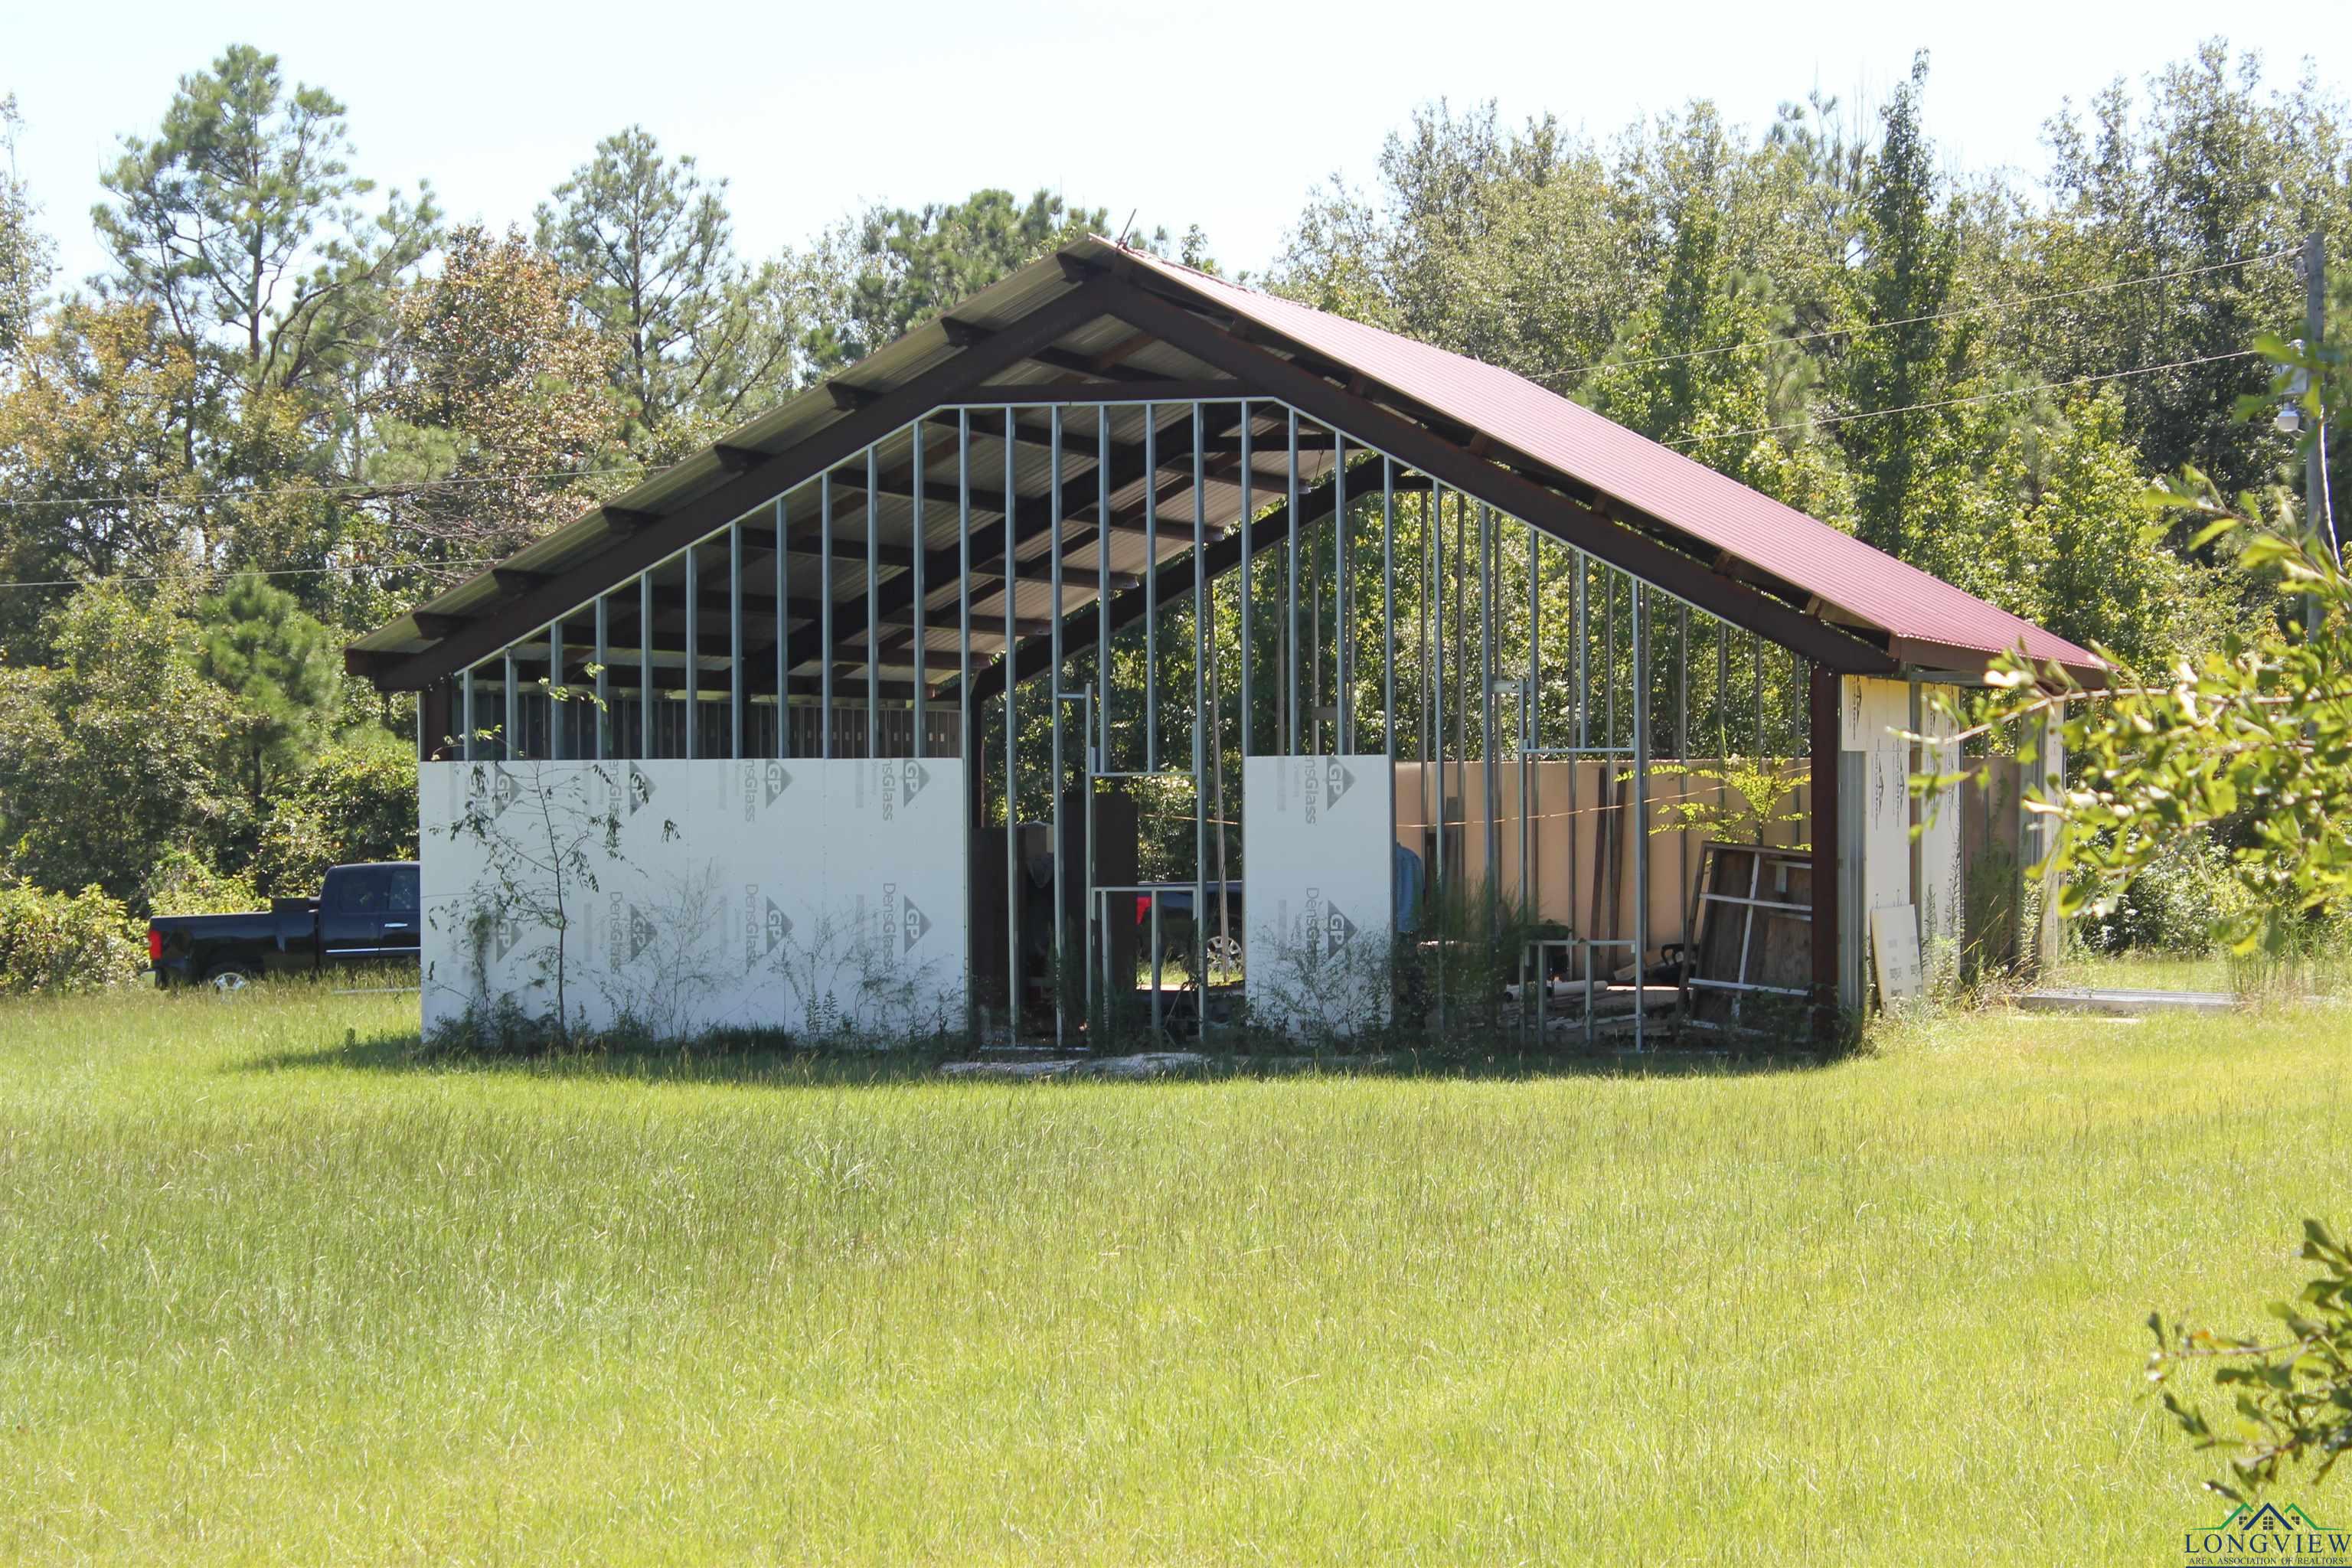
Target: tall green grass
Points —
{"points": [[268, 1296]]}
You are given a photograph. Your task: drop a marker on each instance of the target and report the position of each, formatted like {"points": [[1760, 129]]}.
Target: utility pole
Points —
{"points": [[2316, 508]]}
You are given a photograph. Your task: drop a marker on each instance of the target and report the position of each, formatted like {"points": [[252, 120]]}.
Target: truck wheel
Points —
{"points": [[228, 977]]}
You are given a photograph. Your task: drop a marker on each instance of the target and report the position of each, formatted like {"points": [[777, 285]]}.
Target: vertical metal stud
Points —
{"points": [[1641, 717], [1580, 639], [603, 680], [1248, 505], [922, 591], [555, 685], [1290, 583], [964, 595], [1583, 654], [1609, 654], [1722, 691], [1462, 566], [735, 639], [1427, 700], [1099, 710], [1102, 607], [1201, 713], [513, 726], [1756, 655], [1682, 759], [873, 606], [1054, 698], [824, 614], [1012, 762], [1437, 676], [646, 664], [1343, 707], [1388, 608], [1150, 587], [1531, 740], [1489, 732], [693, 652], [783, 638], [466, 706]]}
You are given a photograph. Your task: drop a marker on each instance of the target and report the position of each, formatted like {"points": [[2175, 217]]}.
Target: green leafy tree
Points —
{"points": [[497, 381], [701, 338], [52, 943], [24, 252], [2254, 734], [2204, 171], [1909, 255], [116, 752], [92, 462], [2289, 1389], [281, 668], [357, 802], [241, 218], [892, 269], [241, 223]]}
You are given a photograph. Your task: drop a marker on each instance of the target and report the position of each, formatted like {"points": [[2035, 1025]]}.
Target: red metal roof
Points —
{"points": [[1865, 584]]}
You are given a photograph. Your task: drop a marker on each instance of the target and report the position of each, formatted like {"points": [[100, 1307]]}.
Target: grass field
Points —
{"points": [[266, 1297]]}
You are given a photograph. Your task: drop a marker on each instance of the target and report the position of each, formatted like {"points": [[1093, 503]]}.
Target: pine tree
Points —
{"points": [[280, 666]]}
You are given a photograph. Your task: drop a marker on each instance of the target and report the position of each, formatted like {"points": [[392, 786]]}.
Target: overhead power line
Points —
{"points": [[244, 572], [1958, 401], [388, 492], [2010, 304]]}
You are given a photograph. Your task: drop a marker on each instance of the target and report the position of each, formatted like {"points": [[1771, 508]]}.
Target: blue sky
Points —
{"points": [[1209, 112]]}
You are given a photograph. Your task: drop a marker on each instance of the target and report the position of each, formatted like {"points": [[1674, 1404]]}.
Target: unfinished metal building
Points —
{"points": [[1126, 593]]}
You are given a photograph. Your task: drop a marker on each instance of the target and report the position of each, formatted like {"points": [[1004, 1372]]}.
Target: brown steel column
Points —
{"points": [[1823, 701], [434, 724]]}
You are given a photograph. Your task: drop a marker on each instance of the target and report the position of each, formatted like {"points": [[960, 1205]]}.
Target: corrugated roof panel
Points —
{"points": [[1836, 568]]}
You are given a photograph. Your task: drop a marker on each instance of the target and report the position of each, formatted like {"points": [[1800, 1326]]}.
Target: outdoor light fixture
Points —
{"points": [[2289, 419]]}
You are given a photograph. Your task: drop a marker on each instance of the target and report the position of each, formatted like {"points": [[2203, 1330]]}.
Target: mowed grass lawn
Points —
{"points": [[267, 1298]]}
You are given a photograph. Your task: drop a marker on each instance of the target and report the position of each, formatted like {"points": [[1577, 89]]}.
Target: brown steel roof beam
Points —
{"points": [[1157, 390], [1106, 366]]}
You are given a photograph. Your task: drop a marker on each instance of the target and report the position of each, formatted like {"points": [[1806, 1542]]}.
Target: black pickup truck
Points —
{"points": [[362, 915]]}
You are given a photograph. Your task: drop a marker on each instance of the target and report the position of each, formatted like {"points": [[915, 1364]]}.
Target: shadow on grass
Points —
{"points": [[776, 1063]]}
